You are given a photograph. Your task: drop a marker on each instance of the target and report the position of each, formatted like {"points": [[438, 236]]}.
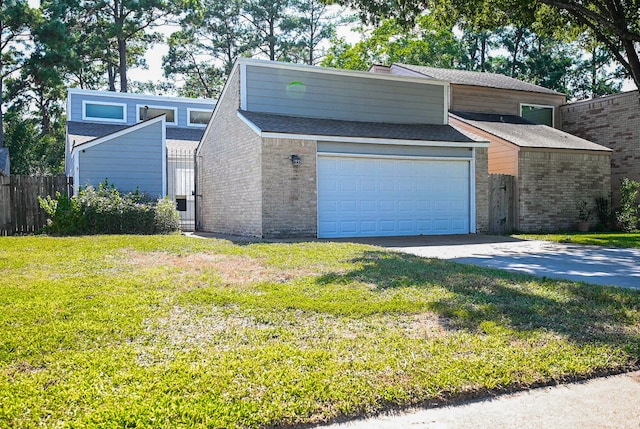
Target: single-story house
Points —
{"points": [[554, 171], [296, 150]]}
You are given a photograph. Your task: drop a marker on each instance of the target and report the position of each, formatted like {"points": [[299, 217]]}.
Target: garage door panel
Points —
{"points": [[380, 196]]}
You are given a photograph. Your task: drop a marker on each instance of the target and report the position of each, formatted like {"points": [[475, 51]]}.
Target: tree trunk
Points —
{"points": [[483, 52], [111, 73], [634, 61], [519, 34], [122, 69]]}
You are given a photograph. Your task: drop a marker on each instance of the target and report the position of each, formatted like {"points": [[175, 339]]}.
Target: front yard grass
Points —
{"points": [[165, 332], [611, 239]]}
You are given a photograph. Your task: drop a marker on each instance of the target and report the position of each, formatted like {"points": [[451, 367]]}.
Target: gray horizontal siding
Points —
{"points": [[352, 98], [76, 106], [401, 150], [128, 162]]}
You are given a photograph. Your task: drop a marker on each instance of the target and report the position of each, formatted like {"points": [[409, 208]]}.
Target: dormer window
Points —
{"points": [[198, 117], [104, 112], [539, 114], [147, 112]]}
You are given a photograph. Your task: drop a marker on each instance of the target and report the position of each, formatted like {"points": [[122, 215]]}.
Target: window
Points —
{"points": [[101, 111], [539, 114], [198, 118], [147, 112]]}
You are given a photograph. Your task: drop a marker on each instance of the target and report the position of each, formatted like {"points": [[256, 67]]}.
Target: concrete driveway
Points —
{"points": [[591, 264]]}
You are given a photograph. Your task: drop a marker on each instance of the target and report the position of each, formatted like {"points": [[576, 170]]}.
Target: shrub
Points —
{"points": [[167, 218], [627, 216], [603, 211], [107, 211]]}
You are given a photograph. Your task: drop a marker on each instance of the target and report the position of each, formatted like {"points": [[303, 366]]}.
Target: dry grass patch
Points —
{"points": [[229, 270]]}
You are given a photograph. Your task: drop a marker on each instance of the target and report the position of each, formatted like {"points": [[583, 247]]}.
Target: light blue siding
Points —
{"points": [[134, 160], [132, 102], [382, 149], [299, 92]]}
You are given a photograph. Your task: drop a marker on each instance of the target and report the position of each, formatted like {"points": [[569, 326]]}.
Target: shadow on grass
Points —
{"points": [[581, 312]]}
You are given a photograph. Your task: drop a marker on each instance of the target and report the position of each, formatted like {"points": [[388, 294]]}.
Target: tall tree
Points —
{"points": [[273, 34], [425, 43], [614, 23], [204, 49], [16, 19], [314, 23]]}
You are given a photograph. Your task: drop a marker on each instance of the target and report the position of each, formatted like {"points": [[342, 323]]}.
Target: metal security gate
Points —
{"points": [[181, 184]]}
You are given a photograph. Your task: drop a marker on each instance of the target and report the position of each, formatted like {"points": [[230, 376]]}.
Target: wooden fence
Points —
{"points": [[501, 203], [20, 211]]}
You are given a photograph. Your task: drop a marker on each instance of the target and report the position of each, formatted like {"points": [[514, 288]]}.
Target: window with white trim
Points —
{"points": [[148, 112], [198, 117], [539, 114], [102, 111]]}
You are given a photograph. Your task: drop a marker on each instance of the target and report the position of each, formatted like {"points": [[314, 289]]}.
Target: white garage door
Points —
{"points": [[368, 197]]}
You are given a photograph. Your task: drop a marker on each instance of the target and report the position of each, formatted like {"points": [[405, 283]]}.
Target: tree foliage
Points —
{"points": [[391, 42], [214, 34], [614, 24]]}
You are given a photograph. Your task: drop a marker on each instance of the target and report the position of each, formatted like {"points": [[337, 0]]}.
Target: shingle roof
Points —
{"points": [[524, 133], [4, 161], [465, 77], [268, 122], [177, 138]]}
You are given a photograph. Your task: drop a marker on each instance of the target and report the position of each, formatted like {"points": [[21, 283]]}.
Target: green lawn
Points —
{"points": [[166, 332], [596, 239]]}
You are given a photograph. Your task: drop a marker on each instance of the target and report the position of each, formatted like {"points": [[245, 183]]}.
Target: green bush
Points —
{"points": [[107, 211], [167, 218], [627, 216]]}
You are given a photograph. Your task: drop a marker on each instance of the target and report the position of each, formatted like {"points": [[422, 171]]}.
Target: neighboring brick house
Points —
{"points": [[554, 170], [294, 150], [614, 122], [136, 141]]}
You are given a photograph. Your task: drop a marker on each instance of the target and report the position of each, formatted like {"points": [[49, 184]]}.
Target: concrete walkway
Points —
{"points": [[609, 402]]}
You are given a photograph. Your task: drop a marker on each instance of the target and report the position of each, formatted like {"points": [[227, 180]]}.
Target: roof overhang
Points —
{"points": [[94, 142], [467, 143]]}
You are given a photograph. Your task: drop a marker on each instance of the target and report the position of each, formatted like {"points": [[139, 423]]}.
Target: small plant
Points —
{"points": [[584, 212], [627, 216], [603, 211], [167, 218]]}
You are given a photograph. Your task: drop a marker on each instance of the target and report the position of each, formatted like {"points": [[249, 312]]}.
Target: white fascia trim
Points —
{"points": [[542, 106], [175, 112], [411, 157], [76, 174], [216, 107], [372, 140], [104, 103], [325, 70], [207, 101], [243, 85], [342, 139], [250, 124], [189, 110], [164, 157], [472, 193], [117, 134]]}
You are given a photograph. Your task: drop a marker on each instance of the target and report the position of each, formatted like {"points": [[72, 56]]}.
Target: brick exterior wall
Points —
{"points": [[289, 199], [613, 122], [551, 184], [229, 171], [482, 190]]}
